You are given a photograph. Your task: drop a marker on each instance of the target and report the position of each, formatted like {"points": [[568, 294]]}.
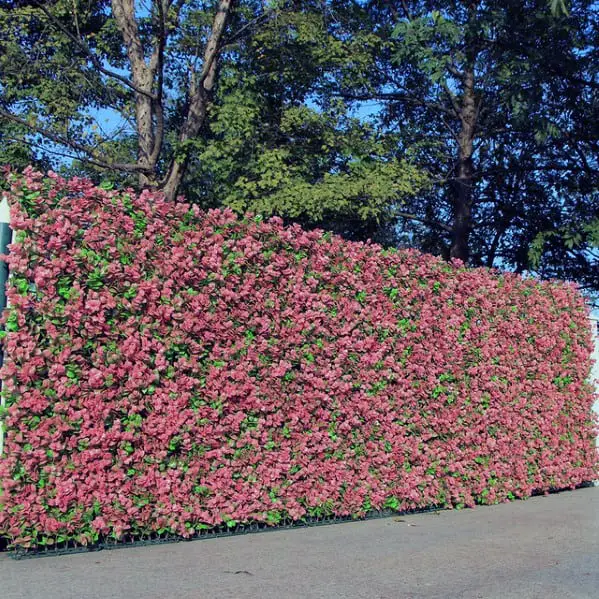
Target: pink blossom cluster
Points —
{"points": [[169, 370]]}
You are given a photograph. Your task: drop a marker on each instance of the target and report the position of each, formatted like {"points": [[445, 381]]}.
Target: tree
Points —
{"points": [[465, 128], [14, 151], [495, 100], [242, 120], [154, 65], [273, 147]]}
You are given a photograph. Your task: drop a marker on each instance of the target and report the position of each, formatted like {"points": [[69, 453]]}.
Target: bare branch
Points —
{"points": [[423, 220], [54, 151], [76, 18], [200, 88], [214, 41], [398, 97], [454, 103], [143, 76], [263, 17], [455, 71], [80, 42], [450, 129], [92, 154], [495, 244], [406, 10]]}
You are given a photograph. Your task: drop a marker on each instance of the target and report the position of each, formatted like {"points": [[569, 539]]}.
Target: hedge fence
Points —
{"points": [[170, 370]]}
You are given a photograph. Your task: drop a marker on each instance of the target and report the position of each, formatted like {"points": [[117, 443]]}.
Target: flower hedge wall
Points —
{"points": [[170, 370]]}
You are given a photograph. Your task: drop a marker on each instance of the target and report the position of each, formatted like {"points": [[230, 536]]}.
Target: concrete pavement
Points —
{"points": [[541, 548]]}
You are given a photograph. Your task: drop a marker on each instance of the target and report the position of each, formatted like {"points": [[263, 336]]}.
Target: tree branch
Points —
{"points": [[454, 103], [423, 220], [265, 16], [124, 15], [214, 41], [398, 97], [36, 146], [199, 92], [90, 54], [406, 10], [494, 245], [93, 157], [157, 67], [455, 71], [450, 130]]}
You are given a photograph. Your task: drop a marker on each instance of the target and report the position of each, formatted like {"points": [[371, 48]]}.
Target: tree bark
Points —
{"points": [[461, 190], [144, 93], [200, 93], [147, 77], [142, 77]]}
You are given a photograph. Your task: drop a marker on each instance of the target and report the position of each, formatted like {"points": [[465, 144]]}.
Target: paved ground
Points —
{"points": [[545, 547]]}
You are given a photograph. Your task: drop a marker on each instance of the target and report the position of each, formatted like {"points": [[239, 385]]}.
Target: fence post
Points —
{"points": [[5, 240]]}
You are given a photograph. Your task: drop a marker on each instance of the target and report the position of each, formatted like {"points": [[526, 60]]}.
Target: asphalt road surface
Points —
{"points": [[544, 547]]}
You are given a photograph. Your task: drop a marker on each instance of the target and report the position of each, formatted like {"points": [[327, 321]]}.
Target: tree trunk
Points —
{"points": [[142, 76], [145, 132], [147, 78], [195, 119], [462, 186], [201, 86]]}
